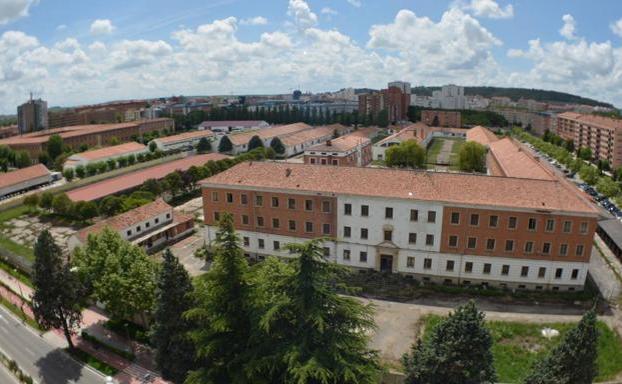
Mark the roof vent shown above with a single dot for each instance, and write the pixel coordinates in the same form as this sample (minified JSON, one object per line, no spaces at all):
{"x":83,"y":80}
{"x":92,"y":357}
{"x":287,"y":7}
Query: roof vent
{"x":329,"y":143}
{"x":288,"y":172}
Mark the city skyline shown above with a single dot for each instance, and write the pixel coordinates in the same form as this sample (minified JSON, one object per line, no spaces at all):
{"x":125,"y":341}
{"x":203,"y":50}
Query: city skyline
{"x":88,"y":53}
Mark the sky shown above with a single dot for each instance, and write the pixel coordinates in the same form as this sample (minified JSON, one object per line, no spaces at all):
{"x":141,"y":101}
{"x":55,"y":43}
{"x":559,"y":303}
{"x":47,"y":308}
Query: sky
{"x":75,"y":52}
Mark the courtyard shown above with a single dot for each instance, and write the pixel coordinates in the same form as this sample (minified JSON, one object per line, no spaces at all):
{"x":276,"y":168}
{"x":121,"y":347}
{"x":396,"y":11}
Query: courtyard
{"x":442,"y":152}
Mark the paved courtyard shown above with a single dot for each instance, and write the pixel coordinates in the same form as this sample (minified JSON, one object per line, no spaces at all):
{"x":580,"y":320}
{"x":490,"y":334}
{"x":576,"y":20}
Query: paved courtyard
{"x":25,"y":229}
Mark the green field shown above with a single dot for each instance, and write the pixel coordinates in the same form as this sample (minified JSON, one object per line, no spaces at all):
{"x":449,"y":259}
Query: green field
{"x":435,"y":146}
{"x":517,"y":346}
{"x":9,"y":244}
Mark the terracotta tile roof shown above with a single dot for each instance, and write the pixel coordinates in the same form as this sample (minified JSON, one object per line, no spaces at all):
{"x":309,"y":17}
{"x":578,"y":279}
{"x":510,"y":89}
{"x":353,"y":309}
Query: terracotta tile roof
{"x":134,"y":179}
{"x":308,"y":135}
{"x":455,"y":188}
{"x":184,"y":137}
{"x":106,"y":152}
{"x":280,"y":130}
{"x":481,"y":135}
{"x":231,"y":123}
{"x":408,"y":133}
{"x":599,"y":121}
{"x":127,"y":219}
{"x":65,"y":132}
{"x":344,"y":143}
{"x":20,"y":175}
{"x":514,"y":162}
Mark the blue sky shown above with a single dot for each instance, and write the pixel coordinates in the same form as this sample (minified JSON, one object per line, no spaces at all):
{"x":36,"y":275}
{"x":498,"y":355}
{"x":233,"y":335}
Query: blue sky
{"x":76,"y":52}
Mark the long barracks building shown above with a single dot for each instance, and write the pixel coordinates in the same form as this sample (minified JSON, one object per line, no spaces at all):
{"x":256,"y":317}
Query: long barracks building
{"x":442,"y":227}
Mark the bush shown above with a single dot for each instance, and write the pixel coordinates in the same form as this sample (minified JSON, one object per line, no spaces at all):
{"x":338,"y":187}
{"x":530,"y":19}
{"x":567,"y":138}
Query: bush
{"x":68,"y":174}
{"x":80,"y":171}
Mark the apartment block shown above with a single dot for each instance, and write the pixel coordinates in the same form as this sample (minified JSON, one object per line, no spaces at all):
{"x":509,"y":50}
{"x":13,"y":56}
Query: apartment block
{"x":441,"y":227}
{"x":395,"y":100}
{"x":32,"y":116}
{"x":440,"y":118}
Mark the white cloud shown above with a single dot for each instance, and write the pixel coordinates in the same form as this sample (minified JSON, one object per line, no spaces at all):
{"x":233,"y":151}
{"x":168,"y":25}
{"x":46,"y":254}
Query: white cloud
{"x":355,"y":3}
{"x":257,"y":20}
{"x":301,"y":12}
{"x":569,"y":28}
{"x":134,"y":53}
{"x":102,"y":27}
{"x":489,"y":8}
{"x":328,"y":11}
{"x":14,"y":9}
{"x":61,"y":27}
{"x":616,"y":27}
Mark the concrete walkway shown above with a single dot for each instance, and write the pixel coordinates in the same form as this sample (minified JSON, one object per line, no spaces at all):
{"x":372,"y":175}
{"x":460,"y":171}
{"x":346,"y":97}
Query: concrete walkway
{"x":444,"y":154}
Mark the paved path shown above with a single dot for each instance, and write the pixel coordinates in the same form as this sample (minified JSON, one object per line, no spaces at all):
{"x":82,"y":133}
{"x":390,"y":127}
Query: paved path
{"x":6,"y":376}
{"x":184,"y":251}
{"x":444,"y":154}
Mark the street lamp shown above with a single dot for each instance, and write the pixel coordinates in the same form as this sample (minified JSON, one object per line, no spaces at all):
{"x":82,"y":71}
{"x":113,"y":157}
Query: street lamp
{"x":109,"y":380}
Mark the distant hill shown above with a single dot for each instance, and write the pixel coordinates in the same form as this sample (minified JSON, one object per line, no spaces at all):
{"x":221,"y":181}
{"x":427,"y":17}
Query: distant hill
{"x":517,"y":93}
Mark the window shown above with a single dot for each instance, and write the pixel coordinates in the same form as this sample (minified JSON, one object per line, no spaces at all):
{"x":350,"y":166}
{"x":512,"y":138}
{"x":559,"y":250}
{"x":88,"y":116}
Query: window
{"x":414,"y":215}
{"x":147,"y":225}
{"x":512,"y":221}
{"x":493,"y":221}
{"x":509,"y":245}
{"x":347,"y":209}
{"x":412,"y":238}
{"x":550,"y":225}
{"x":129,"y":232}
{"x":579,"y":250}
{"x":388,"y":235}
{"x":326,"y":252}
{"x":363,"y":257}
{"x":487,"y":268}
{"x":388,"y":213}
{"x":567,"y":226}
{"x":326,"y":206}
{"x":291,"y":203}
{"x":490,"y":244}
{"x":575,"y":274}
{"x":276,"y":245}
{"x":583,"y":228}
{"x":364,"y":210}
{"x":346,"y":254}
{"x":427,"y":263}
{"x":138,"y":229}
{"x":558,"y":273}
{"x":347,"y":231}
{"x":335,"y":162}
{"x":214,"y":196}
{"x":216,"y":216}
{"x":308,"y":226}
{"x":505,"y":270}
{"x":429,"y":239}
{"x":541,"y":272}
{"x":168,"y":215}
{"x":259,"y":221}
{"x":431,"y":216}
{"x":474,"y":219}
{"x":275,"y":223}
{"x":261,"y":243}
{"x":563,"y":249}
{"x":410,"y":262}
{"x":528,"y":246}
{"x":326,"y":229}
{"x":455,"y":217}
{"x":453,"y":241}
{"x":364,"y":233}
{"x":229,"y":197}
{"x":468,"y":267}
{"x":157,"y":220}
{"x":312,"y":160}
{"x":243,"y":199}
{"x":471,"y":242}
{"x":450,"y":265}
{"x":292,"y":225}
{"x":546,"y":248}
{"x":259,"y":200}
{"x":524,"y":271}
{"x":246,"y":240}
{"x":275,"y":202}
{"x":531,"y":224}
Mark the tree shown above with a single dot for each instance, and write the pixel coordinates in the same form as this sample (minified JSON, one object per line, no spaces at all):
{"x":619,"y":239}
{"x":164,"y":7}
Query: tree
{"x":203,"y":145}
{"x":588,"y":174}
{"x":153,"y":146}
{"x":111,"y":164}
{"x":57,"y":297}
{"x":174,"y":182}
{"x":222,"y":314}
{"x":407,"y":154}
{"x":585,"y":153}
{"x":174,"y":350}
{"x":68,"y":174}
{"x":92,"y":169}
{"x":383,"y":118}
{"x":607,"y":187}
{"x":569,"y":145}
{"x":85,"y":210}
{"x":153,"y":186}
{"x":120,"y":274}
{"x":80,"y":171}
{"x":31,"y":201}
{"x":22,"y":159}
{"x":62,"y":205}
{"x":47,"y":198}
{"x":458,"y":351}
{"x":225,"y":145}
{"x":111,"y":205}
{"x":573,"y":360}
{"x":472,"y":157}
{"x":55,"y":146}
{"x":255,"y":142}
{"x":277,"y":145}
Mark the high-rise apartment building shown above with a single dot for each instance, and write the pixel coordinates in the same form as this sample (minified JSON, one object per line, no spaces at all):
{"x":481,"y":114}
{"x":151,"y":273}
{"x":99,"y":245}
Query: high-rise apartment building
{"x":395,"y":100}
{"x":32,"y":116}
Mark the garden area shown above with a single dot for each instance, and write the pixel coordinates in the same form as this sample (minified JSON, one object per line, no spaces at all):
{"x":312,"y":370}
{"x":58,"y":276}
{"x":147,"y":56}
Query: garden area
{"x":443,"y":151}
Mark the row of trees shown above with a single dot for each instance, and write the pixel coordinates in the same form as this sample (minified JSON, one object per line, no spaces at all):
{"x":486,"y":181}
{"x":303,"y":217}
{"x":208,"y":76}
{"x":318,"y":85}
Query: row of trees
{"x":92,"y":169}
{"x":63,"y":206}
{"x":409,"y":154}
{"x":11,"y":158}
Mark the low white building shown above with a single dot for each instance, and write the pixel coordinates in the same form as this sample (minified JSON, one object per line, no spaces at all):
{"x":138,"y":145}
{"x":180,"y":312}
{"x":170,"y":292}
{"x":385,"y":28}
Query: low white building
{"x":104,"y":154}
{"x":186,"y":140}
{"x":24,"y":179}
{"x":229,"y":126}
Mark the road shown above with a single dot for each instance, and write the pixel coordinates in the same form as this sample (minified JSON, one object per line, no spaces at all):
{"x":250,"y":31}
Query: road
{"x":6,"y":377}
{"x":45,"y":363}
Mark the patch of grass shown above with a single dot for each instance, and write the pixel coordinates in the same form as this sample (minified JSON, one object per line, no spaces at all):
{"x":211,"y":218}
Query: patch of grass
{"x":21,"y":315}
{"x":13,"y":213}
{"x":433,"y":150}
{"x":15,"y":272}
{"x":517,"y":346}
{"x":92,"y":361}
{"x":453,"y":158}
{"x":18,"y":249}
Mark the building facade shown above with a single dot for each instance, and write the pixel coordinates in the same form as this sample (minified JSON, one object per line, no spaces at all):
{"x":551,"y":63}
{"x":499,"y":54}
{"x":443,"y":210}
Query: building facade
{"x":395,"y":100}
{"x":436,"y":118}
{"x":353,"y":150}
{"x":437,"y":227}
{"x":32,"y":116}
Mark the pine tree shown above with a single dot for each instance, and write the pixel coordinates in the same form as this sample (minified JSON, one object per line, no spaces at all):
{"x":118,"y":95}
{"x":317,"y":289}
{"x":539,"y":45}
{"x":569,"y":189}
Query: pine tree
{"x":255,"y":142}
{"x":225,"y":145}
{"x":57,"y":294}
{"x":204,"y":145}
{"x":174,"y":350}
{"x":309,"y":333}
{"x":277,"y":145}
{"x":573,"y":361}
{"x":222,"y":314}
{"x":457,"y":351}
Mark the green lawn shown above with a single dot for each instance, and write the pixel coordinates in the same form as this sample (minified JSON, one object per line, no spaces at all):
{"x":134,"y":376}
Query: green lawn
{"x":16,"y":248}
{"x":92,"y":361}
{"x":453,"y":159}
{"x":517,"y":346}
{"x":13,"y":213}
{"x":433,"y":150}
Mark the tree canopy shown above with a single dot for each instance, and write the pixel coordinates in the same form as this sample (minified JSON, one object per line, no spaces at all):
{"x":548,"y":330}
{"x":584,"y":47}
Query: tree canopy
{"x":225,"y":145}
{"x":277,"y":145}
{"x":55,"y":146}
{"x":255,"y":142}
{"x":472,"y":157}
{"x":204,"y":145}
{"x":408,"y":154}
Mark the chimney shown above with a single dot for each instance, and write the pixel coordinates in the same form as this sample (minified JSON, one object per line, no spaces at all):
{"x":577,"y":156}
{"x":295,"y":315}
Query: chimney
{"x":288,"y":172}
